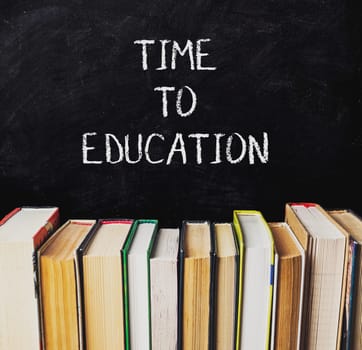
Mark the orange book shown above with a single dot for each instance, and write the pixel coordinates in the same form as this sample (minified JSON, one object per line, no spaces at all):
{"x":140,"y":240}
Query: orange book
{"x":288,"y":287}
{"x":60,"y":286}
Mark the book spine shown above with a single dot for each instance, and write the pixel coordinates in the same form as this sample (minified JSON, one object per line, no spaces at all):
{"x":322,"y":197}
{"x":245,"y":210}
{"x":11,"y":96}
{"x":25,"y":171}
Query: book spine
{"x":38,"y":239}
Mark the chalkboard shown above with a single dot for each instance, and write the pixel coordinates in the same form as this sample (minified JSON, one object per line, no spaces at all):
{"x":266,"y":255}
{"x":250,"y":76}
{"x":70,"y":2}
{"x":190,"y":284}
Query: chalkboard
{"x":263,"y":107}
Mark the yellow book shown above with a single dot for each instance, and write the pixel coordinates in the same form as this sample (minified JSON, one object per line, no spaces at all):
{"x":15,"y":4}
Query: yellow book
{"x":227,"y":280}
{"x":256,"y":279}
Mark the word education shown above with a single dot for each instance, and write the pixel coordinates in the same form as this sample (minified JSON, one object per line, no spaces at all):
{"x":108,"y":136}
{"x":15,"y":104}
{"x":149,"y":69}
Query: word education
{"x":155,"y":148}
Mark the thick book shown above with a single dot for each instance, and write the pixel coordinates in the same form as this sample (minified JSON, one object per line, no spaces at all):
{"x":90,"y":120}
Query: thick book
{"x":102,"y":284}
{"x":197,"y":258}
{"x":22,"y":232}
{"x":326,"y":249}
{"x":258,"y":279}
{"x":288,"y":291}
{"x":60,"y":286}
{"x":164,"y":282}
{"x":353,"y":301}
{"x":227,"y":278}
{"x":136,"y":274}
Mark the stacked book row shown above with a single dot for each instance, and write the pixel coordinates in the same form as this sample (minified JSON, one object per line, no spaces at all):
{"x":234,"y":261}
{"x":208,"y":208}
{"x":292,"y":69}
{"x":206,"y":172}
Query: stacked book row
{"x":129,"y":284}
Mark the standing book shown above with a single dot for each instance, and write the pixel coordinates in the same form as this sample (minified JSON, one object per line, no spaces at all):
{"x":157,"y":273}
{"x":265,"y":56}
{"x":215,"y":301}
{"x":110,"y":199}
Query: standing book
{"x":22,"y":232}
{"x":353,"y":303}
{"x":258,"y":279}
{"x":102,"y":284}
{"x":288,"y":291}
{"x":136,"y":273}
{"x":197,"y":286}
{"x":164,"y":282}
{"x":325,"y":243}
{"x":60,"y":294}
{"x":227,"y":277}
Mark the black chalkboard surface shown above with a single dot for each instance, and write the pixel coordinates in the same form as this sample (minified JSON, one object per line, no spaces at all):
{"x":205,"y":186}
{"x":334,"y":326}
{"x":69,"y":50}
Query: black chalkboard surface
{"x":263,"y":107}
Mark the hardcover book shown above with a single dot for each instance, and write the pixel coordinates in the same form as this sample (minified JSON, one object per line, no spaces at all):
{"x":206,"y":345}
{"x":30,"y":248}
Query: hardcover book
{"x":258,"y":279}
{"x":136,"y":254}
{"x":22,"y":233}
{"x":102,"y":284}
{"x":325,"y":244}
{"x":164,"y":283}
{"x":353,"y":302}
{"x":197,"y":286}
{"x":288,"y":291}
{"x":227,"y":278}
{"x":60,"y":294}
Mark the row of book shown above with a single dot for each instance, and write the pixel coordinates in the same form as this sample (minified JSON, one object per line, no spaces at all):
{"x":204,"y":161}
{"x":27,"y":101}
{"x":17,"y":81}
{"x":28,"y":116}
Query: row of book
{"x":128,"y":284}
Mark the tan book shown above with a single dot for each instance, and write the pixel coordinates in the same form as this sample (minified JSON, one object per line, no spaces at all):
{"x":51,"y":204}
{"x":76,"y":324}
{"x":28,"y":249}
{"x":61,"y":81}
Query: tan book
{"x":164,"y":279}
{"x":103,"y":285}
{"x":353,"y":303}
{"x":22,"y":232}
{"x":197,"y":273}
{"x":226,"y":285}
{"x":326,"y":249}
{"x":288,"y":287}
{"x":60,"y":286}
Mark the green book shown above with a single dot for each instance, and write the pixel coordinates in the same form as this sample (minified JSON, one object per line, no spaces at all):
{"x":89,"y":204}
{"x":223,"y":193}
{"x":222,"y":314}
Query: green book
{"x":136,"y":273}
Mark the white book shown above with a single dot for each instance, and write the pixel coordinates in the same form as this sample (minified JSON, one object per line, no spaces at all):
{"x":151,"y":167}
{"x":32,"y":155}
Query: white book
{"x":139,"y":285}
{"x":164,"y":277}
{"x":257,"y":284}
{"x":21,"y":233}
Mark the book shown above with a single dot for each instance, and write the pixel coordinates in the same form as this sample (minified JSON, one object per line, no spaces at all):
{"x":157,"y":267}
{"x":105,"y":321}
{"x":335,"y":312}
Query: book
{"x":61,"y":313}
{"x":136,"y":271}
{"x":197,"y":258}
{"x":325,"y":244}
{"x":226,"y":285}
{"x":274,"y":298}
{"x":22,"y":232}
{"x":164,"y":283}
{"x":352,"y":223}
{"x":288,"y":291}
{"x":240,"y":244}
{"x":102,"y":284}
{"x":258,"y":279}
